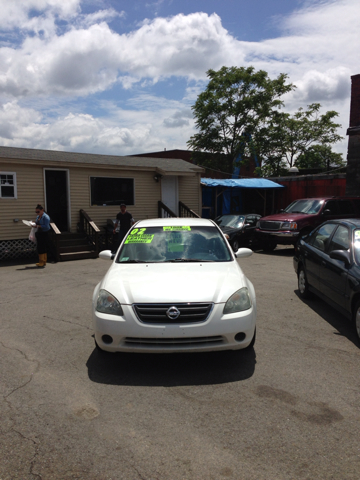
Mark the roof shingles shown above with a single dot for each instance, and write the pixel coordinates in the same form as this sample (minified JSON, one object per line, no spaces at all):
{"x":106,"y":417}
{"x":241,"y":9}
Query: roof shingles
{"x":167,"y":165}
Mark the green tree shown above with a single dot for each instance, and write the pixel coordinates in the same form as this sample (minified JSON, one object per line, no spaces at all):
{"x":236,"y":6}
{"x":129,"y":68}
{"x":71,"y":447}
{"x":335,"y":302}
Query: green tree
{"x":320,"y":156}
{"x":237,"y":102}
{"x":306,"y":134}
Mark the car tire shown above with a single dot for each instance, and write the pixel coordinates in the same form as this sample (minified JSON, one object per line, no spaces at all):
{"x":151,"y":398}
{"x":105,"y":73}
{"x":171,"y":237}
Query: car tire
{"x":269,"y":247}
{"x":357,"y":319}
{"x":303,"y":284}
{"x":235,"y":245}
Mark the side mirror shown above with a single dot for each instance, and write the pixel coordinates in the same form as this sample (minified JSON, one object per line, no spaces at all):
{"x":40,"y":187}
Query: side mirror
{"x":243,"y":252}
{"x":342,"y":255}
{"x":106,"y":255}
{"x":327,"y":212}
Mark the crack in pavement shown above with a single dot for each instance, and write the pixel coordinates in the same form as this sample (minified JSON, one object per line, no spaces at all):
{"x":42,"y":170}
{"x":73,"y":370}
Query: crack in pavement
{"x":28,"y":360}
{"x":67,"y":321}
{"x":14,"y":409}
{"x":36,"y":447}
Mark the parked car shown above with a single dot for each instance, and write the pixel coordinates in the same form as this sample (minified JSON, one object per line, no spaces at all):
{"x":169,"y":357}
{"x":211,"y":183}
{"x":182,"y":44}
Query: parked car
{"x":302,"y":216}
{"x":240,"y":229}
{"x":174,"y":286}
{"x":327,"y":263}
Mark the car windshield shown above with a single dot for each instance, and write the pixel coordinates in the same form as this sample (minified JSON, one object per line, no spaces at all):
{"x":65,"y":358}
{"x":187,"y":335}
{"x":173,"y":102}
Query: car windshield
{"x":233,"y":221}
{"x":357,"y":246}
{"x":174,"y":244}
{"x":308,"y":206}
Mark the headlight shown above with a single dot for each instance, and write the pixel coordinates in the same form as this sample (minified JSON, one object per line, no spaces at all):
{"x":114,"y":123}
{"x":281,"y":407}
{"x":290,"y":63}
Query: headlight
{"x":238,"y":302}
{"x":258,"y":224}
{"x":289,"y":226}
{"x":107,"y":303}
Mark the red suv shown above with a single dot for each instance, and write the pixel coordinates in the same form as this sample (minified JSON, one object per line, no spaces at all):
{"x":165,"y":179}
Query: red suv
{"x":302,"y":216}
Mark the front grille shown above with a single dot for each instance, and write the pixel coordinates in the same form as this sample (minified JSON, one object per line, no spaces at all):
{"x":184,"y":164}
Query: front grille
{"x":265,"y":225}
{"x":173,"y":342}
{"x":189,"y":312}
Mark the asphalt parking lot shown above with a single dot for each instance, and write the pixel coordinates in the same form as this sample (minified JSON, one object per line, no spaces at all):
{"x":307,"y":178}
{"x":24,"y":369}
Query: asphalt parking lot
{"x":288,"y":409}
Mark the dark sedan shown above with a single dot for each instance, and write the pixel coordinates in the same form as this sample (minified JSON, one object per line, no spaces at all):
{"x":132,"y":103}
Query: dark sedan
{"x":240,"y":229}
{"x":327,"y":263}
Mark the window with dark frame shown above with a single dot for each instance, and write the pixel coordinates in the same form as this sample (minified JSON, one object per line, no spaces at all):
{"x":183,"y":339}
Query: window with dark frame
{"x":7,"y":185}
{"x":107,"y":191}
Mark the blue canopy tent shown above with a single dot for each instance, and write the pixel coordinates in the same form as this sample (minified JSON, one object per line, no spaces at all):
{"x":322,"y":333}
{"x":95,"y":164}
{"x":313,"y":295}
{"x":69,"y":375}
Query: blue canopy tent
{"x":226,"y":188}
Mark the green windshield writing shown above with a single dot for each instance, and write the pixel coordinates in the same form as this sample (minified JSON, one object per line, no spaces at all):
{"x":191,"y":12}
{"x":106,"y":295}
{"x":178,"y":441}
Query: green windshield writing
{"x":139,"y":239}
{"x":177,"y":229}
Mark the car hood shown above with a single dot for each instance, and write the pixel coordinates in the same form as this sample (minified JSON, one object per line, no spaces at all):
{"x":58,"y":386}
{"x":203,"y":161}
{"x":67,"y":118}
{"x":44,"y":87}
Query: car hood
{"x":174,"y":283}
{"x":285,"y":217}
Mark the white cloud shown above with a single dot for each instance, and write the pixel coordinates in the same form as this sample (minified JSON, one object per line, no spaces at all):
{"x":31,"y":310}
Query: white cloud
{"x":178,"y":119}
{"x":123,"y":132}
{"x":17,"y":13}
{"x":101,"y":16}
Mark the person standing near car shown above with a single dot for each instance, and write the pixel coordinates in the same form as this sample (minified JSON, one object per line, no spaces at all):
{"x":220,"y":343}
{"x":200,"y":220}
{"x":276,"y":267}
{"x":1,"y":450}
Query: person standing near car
{"x":42,"y":232}
{"x":125,"y":220}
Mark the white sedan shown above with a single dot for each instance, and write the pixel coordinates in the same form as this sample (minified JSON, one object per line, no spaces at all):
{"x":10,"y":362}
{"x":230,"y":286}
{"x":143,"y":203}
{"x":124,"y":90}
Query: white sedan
{"x":174,"y":285}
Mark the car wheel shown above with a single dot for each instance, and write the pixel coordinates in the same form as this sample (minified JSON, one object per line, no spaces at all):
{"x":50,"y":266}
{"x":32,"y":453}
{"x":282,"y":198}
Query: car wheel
{"x":235,"y":245}
{"x":357,"y":319}
{"x":303,"y":284}
{"x":269,"y":247}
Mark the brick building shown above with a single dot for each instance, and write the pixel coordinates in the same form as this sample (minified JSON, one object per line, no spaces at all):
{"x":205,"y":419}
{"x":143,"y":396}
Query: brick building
{"x":353,"y":157}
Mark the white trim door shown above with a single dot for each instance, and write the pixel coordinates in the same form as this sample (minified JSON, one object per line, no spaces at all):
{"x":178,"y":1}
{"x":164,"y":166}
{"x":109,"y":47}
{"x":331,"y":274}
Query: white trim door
{"x":169,"y":193}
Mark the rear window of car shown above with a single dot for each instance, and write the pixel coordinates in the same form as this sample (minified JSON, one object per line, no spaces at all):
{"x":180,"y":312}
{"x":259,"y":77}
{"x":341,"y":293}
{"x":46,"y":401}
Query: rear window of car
{"x":174,"y":244}
{"x":234,"y":221}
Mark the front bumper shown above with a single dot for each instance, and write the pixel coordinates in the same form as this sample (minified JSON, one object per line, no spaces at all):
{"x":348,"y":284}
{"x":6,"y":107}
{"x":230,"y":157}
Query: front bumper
{"x":283,"y":237}
{"x":218,"y":332}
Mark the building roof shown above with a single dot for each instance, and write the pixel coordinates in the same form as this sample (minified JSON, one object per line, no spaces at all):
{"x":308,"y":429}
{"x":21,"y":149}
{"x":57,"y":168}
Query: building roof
{"x":162,"y":165}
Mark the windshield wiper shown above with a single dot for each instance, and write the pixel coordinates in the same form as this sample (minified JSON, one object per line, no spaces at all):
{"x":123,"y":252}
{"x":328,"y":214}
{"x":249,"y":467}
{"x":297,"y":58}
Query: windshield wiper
{"x":132,"y":261}
{"x":178,"y":260}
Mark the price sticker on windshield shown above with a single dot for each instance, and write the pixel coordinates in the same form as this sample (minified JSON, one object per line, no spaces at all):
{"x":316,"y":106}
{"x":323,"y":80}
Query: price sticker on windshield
{"x":180,"y":228}
{"x":137,"y":235}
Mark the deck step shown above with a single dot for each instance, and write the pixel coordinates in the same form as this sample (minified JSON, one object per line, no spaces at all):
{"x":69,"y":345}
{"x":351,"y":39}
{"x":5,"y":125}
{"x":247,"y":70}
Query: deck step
{"x":75,"y":248}
{"x":64,"y":242}
{"x":78,"y":255}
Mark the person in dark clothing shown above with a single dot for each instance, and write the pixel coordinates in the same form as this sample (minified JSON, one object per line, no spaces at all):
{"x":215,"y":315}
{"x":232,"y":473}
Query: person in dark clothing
{"x":42,"y":232}
{"x":125,"y":220}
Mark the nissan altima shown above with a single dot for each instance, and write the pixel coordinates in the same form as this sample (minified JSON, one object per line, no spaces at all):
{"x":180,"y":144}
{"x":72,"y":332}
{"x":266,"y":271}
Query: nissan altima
{"x":174,"y":285}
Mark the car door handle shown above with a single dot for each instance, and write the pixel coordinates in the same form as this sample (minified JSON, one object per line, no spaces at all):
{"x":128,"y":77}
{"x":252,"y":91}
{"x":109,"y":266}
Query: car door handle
{"x":323,"y":263}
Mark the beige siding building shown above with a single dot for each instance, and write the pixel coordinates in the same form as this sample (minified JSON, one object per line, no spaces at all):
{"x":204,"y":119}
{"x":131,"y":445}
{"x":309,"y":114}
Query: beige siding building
{"x":64,"y":183}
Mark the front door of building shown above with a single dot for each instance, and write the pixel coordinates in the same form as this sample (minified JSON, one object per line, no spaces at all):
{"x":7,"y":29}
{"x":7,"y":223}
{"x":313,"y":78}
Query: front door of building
{"x":56,"y":198}
{"x":169,"y":192}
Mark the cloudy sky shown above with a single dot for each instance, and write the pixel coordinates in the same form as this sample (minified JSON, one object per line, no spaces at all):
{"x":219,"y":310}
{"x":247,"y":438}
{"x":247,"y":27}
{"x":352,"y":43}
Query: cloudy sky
{"x":120,"y":76}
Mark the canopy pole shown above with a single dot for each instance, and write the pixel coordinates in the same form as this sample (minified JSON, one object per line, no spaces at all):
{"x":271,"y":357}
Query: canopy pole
{"x":216,"y":199}
{"x":265,"y":203}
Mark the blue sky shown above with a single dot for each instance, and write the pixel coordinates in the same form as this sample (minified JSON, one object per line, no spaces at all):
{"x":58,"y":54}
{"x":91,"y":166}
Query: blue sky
{"x":119,"y":77}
